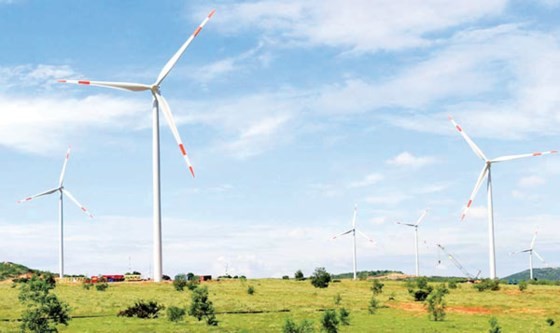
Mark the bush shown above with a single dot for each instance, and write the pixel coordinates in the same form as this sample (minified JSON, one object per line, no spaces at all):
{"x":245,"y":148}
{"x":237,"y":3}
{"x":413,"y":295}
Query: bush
{"x":166,"y":277}
{"x":290,"y":326}
{"x":373,"y":305}
{"x":142,"y":309}
{"x":43,"y":310}
{"x":452,"y":284}
{"x":423,"y":290}
{"x":87,"y":284}
{"x":175,"y":314}
{"x":487,"y":284}
{"x":285,"y":277}
{"x":337,"y":299}
{"x":250,"y":290}
{"x":436,"y":303}
{"x":299,"y":275}
{"x":344,"y":316}
{"x":377,"y":287}
{"x":329,"y":322}
{"x":193,"y":283}
{"x":494,"y":326}
{"x":522,"y":285}
{"x":550,"y":321}
{"x":101,"y":286}
{"x":320,"y":278}
{"x":202,"y":307}
{"x":180,"y":282}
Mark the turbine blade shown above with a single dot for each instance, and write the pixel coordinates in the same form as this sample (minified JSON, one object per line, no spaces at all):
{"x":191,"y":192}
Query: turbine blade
{"x":115,"y":85}
{"x":475,"y":190}
{"x":71,"y":197}
{"x":342,"y":234}
{"x":407,"y":224}
{"x":38,"y":195}
{"x":354,"y":217}
{"x":421,"y":217}
{"x":540,"y":258}
{"x":471,"y":143}
{"x":365,"y":236}
{"x":171,"y":122}
{"x":171,"y":62}
{"x":61,"y":179}
{"x":516,"y":157}
{"x":533,"y":241}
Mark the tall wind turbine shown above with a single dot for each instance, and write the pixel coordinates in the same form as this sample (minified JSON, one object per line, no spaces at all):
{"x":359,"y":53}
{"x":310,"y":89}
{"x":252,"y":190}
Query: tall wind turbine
{"x":531,"y":251}
{"x":61,"y":190}
{"x":415,"y":226}
{"x":158,"y":103}
{"x":486,"y":171}
{"x":353,"y":231}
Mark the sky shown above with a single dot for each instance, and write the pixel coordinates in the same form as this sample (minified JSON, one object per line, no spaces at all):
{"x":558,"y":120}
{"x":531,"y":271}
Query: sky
{"x":292,"y":112}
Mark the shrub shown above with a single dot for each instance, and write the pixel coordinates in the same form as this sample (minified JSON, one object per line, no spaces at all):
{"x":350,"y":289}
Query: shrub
{"x":43,"y":310}
{"x":344,"y":316}
{"x":202,"y":307}
{"x":180,"y":282}
{"x":166,"y":277}
{"x":320,"y":278}
{"x":285,"y":277}
{"x":101,"y":286}
{"x":550,"y":321}
{"x":193,"y":283}
{"x":299,"y":275}
{"x":329,"y":322}
{"x":377,"y":287}
{"x":87,"y":284}
{"x":190,"y":276}
{"x":522,"y":285}
{"x":142,"y":309}
{"x":373,"y":305}
{"x":175,"y":313}
{"x":337,"y":299}
{"x":290,"y":326}
{"x":392,"y":296}
{"x":423,"y":290}
{"x":436,"y":303}
{"x":487,"y":284}
{"x":494,"y":326}
{"x":250,"y":290}
{"x":452,"y":284}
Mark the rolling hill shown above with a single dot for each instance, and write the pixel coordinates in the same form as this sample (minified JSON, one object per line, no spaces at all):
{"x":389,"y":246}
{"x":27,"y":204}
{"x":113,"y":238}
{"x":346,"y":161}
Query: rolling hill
{"x":10,"y":270}
{"x":547,"y":273}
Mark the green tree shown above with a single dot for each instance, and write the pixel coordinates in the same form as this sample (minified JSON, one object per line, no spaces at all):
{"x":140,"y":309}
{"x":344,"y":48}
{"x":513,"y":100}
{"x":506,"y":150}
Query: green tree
{"x":373,"y":305}
{"x":436,"y":302}
{"x":522,"y":285}
{"x":320,"y":278}
{"x":43,"y":310}
{"x":344,"y":316}
{"x":175,"y":313}
{"x":202,"y":307}
{"x":329,"y":322}
{"x":180,"y":282}
{"x":377,"y":287}
{"x":290,"y":326}
{"x":494,"y":326}
{"x":299,"y":275}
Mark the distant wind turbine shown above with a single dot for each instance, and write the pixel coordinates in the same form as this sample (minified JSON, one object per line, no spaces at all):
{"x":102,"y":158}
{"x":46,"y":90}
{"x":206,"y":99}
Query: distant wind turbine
{"x":415,"y":226}
{"x":531,"y":251}
{"x":158,"y":103}
{"x":62,"y":190}
{"x":486,"y":170}
{"x":353,"y":231}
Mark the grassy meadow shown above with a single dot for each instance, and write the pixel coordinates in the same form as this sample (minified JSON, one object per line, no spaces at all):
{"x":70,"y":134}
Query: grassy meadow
{"x":275,"y":300}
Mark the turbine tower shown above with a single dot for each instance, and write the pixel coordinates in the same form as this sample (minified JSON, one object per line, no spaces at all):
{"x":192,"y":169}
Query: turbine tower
{"x":61,"y":190}
{"x":353,"y":231}
{"x":158,"y":104}
{"x":531,"y":251}
{"x":486,"y":171}
{"x":415,"y":226}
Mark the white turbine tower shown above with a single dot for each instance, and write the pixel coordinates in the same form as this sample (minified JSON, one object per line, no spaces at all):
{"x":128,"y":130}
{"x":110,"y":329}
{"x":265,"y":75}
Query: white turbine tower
{"x":159,"y":103}
{"x":531,"y":251}
{"x":415,"y":226}
{"x":61,"y":190}
{"x":353,"y":231}
{"x":486,"y":170}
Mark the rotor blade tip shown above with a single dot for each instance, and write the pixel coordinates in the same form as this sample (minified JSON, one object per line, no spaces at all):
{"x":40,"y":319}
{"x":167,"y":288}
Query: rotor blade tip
{"x":61,"y":81}
{"x":554,"y":151}
{"x":211,"y":13}
{"x":191,"y":169}
{"x":449,"y":117}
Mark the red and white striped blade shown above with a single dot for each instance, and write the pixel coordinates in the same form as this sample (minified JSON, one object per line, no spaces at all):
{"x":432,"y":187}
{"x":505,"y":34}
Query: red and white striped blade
{"x":540,"y":258}
{"x":82,"y":208}
{"x":471,"y":143}
{"x":365,"y":236}
{"x":533,"y":240}
{"x":164,"y":107}
{"x":38,"y":195}
{"x":61,"y":179}
{"x":171,"y":63}
{"x":115,"y":85}
{"x":421,"y":218}
{"x":342,"y":234}
{"x":515,"y":157}
{"x":475,"y":190}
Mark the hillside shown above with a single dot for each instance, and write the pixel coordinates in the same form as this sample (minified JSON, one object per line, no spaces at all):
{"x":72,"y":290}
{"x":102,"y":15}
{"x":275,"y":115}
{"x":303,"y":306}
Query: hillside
{"x":10,"y":270}
{"x":548,"y":273}
{"x":367,"y":273}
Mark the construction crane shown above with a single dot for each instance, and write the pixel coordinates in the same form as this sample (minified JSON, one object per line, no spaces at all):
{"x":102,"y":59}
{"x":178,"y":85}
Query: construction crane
{"x":458,"y":264}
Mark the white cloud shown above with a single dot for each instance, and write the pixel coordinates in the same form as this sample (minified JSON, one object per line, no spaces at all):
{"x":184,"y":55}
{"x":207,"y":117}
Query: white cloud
{"x":37,"y":76}
{"x":531,"y":181}
{"x":371,"y":179}
{"x":357,"y":25}
{"x":406,"y":159}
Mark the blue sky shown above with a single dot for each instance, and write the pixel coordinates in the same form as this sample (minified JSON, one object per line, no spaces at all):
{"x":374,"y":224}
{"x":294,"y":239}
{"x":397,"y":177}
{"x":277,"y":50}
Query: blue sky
{"x":292,"y":112}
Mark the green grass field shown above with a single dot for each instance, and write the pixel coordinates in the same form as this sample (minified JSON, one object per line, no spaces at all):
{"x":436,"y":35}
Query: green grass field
{"x":468,"y":310}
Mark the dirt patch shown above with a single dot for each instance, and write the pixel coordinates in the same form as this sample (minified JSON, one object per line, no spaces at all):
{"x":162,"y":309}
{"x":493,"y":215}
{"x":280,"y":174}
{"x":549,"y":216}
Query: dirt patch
{"x":411,"y":307}
{"x":469,"y":310}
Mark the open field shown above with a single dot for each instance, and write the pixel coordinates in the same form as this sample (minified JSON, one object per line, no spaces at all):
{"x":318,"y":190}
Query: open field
{"x":468,"y":309}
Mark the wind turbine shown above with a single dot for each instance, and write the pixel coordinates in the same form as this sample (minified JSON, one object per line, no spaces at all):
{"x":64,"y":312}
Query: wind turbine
{"x":158,"y":103}
{"x":353,"y":231}
{"x":415,"y":226}
{"x":61,"y":190}
{"x":486,"y":171}
{"x":531,"y":250}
